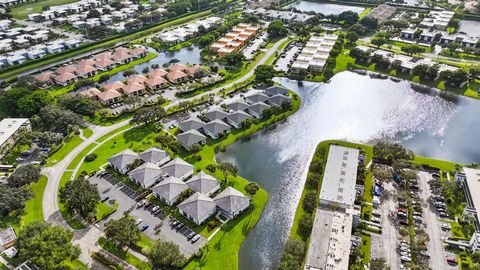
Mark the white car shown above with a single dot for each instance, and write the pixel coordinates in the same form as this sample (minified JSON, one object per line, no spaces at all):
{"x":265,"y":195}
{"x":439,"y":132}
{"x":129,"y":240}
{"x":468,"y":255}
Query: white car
{"x":446,"y":226}
{"x":375,"y":219}
{"x":376,"y":212}
{"x":406,"y":259}
{"x":138,"y":221}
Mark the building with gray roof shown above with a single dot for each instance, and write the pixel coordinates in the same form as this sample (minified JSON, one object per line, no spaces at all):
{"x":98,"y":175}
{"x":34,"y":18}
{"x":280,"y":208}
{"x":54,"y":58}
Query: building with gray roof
{"x":278,"y":100}
{"x":169,"y":190}
{"x":190,"y":138}
{"x":231,"y":202}
{"x":215,"y":127}
{"x":146,"y":174}
{"x":178,"y":168}
{"x":121,"y":160}
{"x":198,"y":208}
{"x":155,"y":155}
{"x":276,"y":90}
{"x":215,"y":114}
{"x":236,"y":119}
{"x":256,"y":110}
{"x":239,"y":105}
{"x":255,"y":98}
{"x":190,"y":124}
{"x":204,"y":183}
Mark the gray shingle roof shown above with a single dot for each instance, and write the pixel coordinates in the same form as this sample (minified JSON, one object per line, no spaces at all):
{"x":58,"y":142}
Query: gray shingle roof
{"x":146,"y":174}
{"x":231,"y":200}
{"x":154,"y":155}
{"x":238,"y":117}
{"x":215,"y":115}
{"x":190,"y":138}
{"x":202,"y":182}
{"x":198,"y":205}
{"x":276,"y":90}
{"x":216,"y":126}
{"x":192,"y":123}
{"x":177,"y":168}
{"x":123,"y":159}
{"x":170,"y":188}
{"x":258,"y":107}
{"x":238,"y":105}
{"x":278,"y":100}
{"x":257,"y":97}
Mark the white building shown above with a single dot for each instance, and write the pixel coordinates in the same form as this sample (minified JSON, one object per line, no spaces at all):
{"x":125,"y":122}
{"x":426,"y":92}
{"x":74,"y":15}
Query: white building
{"x":315,"y":53}
{"x":9,"y":128}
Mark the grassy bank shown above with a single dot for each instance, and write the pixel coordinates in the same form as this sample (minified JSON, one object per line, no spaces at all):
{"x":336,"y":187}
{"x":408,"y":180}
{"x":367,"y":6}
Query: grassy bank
{"x":22,"y":11}
{"x":67,"y":146}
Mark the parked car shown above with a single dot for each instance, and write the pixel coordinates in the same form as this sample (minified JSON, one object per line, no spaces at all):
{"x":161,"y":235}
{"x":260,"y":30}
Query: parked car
{"x":191,"y":235}
{"x":376,"y":212}
{"x":406,"y":259}
{"x":138,"y":221}
{"x":144,"y":228}
{"x":154,"y":209}
{"x":141,"y":203}
{"x":195,"y":238}
{"x":446,"y":226}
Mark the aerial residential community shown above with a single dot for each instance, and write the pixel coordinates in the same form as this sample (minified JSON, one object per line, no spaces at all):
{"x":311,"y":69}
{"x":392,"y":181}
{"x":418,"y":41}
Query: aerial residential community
{"x":228,"y":134}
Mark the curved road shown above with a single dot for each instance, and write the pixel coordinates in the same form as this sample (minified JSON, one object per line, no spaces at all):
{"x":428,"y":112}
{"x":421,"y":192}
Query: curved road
{"x":87,"y":238}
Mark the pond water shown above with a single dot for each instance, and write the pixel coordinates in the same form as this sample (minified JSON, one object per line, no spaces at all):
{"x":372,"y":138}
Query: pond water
{"x":186,"y":55}
{"x":351,"y":107}
{"x":324,"y":8}
{"x":471,"y":28}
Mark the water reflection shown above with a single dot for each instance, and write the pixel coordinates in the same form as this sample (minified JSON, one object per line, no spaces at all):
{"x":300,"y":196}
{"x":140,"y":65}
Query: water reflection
{"x":324,"y":8}
{"x":352,"y":107}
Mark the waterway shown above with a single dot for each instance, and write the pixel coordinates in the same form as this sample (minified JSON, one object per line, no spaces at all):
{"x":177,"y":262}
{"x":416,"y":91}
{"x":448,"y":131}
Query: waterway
{"x":186,"y":55}
{"x":471,"y":28}
{"x":355,"y":108}
{"x":324,"y":8}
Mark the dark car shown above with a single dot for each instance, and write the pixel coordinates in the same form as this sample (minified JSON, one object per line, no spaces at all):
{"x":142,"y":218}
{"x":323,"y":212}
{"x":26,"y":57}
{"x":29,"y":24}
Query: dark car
{"x":144,"y":228}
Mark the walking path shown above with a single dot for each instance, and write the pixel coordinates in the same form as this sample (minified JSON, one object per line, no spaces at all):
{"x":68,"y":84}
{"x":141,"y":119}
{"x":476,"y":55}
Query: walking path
{"x":87,"y":238}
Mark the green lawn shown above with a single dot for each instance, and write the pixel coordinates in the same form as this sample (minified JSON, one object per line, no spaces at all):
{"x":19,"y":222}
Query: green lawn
{"x":33,"y":210}
{"x":68,"y":145}
{"x":22,"y":11}
{"x":442,"y":165}
{"x":104,"y":210}
{"x":69,"y":88}
{"x":87,"y":133}
{"x":124,"y":255}
{"x":106,"y":136}
{"x":77,"y":159}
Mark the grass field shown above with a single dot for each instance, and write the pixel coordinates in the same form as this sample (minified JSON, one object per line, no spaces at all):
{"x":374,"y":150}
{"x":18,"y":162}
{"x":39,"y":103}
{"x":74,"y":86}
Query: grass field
{"x":104,"y":210}
{"x":22,"y":11}
{"x":67,"y":147}
{"x":124,"y":255}
{"x":87,"y":133}
{"x":442,"y":165}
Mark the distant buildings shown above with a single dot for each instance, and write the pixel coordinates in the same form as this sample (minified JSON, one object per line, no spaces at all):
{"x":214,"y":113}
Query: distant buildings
{"x":382,"y":13}
{"x":315,"y":53}
{"x":182,"y":33}
{"x":282,"y":15}
{"x":234,"y":40}
{"x":437,"y":19}
{"x":9,"y":129}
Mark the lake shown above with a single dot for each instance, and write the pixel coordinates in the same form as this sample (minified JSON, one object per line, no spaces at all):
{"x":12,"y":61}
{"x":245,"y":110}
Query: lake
{"x":324,"y":8}
{"x":354,"y":108}
{"x":186,"y":55}
{"x":472,"y":28}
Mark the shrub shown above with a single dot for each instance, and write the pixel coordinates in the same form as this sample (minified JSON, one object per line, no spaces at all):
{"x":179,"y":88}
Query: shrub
{"x":90,"y":157}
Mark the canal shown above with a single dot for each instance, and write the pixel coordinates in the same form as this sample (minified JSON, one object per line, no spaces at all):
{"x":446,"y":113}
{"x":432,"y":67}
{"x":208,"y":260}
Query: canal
{"x":324,"y":8}
{"x":351,"y":107}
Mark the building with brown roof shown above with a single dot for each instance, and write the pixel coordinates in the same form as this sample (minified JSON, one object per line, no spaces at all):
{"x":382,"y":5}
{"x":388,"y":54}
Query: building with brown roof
{"x":85,"y":71}
{"x":158,"y":73}
{"x":116,"y":85}
{"x":177,"y":76}
{"x":86,"y":62}
{"x":122,"y":55}
{"x":137,"y":79}
{"x":234,"y":40}
{"x":65,"y":79}
{"x":177,"y":67}
{"x":66,"y":69}
{"x":109,"y":96}
{"x":139,"y":52}
{"x":104,"y":64}
{"x":133,"y":89}
{"x":91,"y":93}
{"x":156,"y":83}
{"x":192,"y":70}
{"x":44,"y":77}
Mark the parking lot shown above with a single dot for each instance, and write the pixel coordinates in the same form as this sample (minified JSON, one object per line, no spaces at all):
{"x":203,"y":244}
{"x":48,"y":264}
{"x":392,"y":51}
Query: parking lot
{"x":159,"y":226}
{"x":250,"y":50}
{"x":283,"y":62}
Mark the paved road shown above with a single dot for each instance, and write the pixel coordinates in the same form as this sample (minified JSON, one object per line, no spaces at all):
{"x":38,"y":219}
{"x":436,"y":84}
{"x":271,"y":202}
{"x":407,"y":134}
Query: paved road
{"x":87,"y":238}
{"x":390,"y":234}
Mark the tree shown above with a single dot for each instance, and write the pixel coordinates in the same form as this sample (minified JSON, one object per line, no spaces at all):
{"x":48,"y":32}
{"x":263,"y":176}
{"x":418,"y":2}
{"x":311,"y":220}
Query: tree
{"x":227,"y":169}
{"x":251,"y":19}
{"x":165,"y":255}
{"x":80,"y":196}
{"x":378,"y":264}
{"x":56,"y":119}
{"x":378,"y":41}
{"x":32,"y":103}
{"x":264,"y":74}
{"x":452,"y":47}
{"x":293,"y":255}
{"x":305,"y":225}
{"x":8,"y":101}
{"x":28,"y":82}
{"x":24,"y":175}
{"x":474,"y":71}
{"x":196,"y":148}
{"x":84,"y":83}
{"x":251,"y":188}
{"x":13,"y":199}
{"x":276,"y":29}
{"x":99,"y":31}
{"x":129,"y":72}
{"x":46,"y":246}
{"x":234,"y":59}
{"x":103,"y":78}
{"x":80,"y":104}
{"x":93,"y":13}
{"x":348,"y":17}
{"x":455,"y":78}
{"x":309,"y":203}
{"x":351,"y":37}
{"x":369,"y":22}
{"x":122,"y":232}
{"x":412,"y":49}
{"x":148,"y":115}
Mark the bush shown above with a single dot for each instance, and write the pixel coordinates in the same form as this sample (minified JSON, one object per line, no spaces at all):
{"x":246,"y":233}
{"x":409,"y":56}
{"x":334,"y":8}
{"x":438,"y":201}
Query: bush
{"x":305,"y":226}
{"x":212,"y":224}
{"x":309,"y":202}
{"x":90,"y":157}
{"x":211,"y":168}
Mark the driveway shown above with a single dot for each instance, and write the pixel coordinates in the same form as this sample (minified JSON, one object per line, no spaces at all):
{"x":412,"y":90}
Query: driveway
{"x":390,"y":236}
